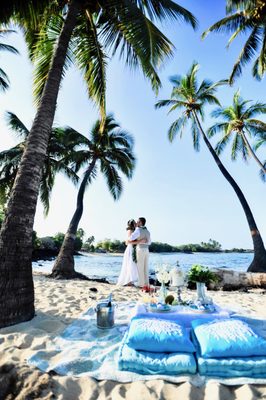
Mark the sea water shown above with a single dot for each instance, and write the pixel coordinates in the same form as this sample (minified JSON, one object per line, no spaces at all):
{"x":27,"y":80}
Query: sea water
{"x":108,"y":266}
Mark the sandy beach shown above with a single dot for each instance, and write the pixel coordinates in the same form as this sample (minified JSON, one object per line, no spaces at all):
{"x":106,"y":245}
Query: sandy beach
{"x":58,"y":304}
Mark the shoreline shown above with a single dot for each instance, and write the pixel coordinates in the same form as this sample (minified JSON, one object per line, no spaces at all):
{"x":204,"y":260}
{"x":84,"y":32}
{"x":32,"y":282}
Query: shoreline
{"x":48,"y":255}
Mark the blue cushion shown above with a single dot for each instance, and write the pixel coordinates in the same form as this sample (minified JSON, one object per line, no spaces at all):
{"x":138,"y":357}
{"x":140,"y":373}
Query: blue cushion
{"x":230,"y":367}
{"x":150,"y":363}
{"x":228,"y":338}
{"x":158,"y":335}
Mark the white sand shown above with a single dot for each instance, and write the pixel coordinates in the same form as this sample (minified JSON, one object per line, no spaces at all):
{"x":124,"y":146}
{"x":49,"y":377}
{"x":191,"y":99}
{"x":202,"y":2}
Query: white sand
{"x":58,"y":303}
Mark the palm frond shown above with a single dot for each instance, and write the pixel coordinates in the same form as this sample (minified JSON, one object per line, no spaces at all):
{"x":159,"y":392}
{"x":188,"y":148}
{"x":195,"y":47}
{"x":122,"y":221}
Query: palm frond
{"x":195,"y":135}
{"x":42,"y":54}
{"x":262,"y":173}
{"x":259,"y":66}
{"x":138,"y":40}
{"x":91,"y":60}
{"x":220,"y":146}
{"x":228,"y":24}
{"x":236,"y":147}
{"x":261,"y":140}
{"x":246,"y":54}
{"x":177,"y":127}
{"x":217,"y":128}
{"x":112,"y":178}
{"x":253,"y":110}
{"x":165,"y":103}
{"x":4,"y":81}
{"x":166,"y":10}
{"x":7,"y":47}
{"x":260,"y":125}
{"x":16,"y":125}
{"x":46,"y":185}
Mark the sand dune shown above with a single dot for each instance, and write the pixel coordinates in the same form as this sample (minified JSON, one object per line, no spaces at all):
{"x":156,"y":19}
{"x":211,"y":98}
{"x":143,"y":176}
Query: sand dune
{"x":58,"y":303}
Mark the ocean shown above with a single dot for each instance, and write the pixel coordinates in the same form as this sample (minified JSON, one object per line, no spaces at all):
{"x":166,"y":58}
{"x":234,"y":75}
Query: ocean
{"x":108,"y":266}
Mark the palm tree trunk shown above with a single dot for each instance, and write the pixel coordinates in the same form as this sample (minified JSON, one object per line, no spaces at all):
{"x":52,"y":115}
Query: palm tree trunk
{"x":16,"y":283}
{"x":64,"y":267}
{"x":259,"y":261}
{"x":252,"y":153}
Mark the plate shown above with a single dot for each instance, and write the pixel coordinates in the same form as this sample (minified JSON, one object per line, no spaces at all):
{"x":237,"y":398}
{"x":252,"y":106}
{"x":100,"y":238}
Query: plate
{"x":202,"y":311}
{"x":160,"y":310}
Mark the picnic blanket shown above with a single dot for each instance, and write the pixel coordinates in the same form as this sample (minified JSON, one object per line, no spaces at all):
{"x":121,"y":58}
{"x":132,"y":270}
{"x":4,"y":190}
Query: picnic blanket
{"x":84,"y":350}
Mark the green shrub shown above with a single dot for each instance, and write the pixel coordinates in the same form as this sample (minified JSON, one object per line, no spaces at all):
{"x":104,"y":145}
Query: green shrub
{"x":199,"y":273}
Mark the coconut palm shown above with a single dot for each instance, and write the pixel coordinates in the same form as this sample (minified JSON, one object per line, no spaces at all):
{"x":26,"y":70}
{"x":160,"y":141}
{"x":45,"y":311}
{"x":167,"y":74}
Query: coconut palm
{"x":110,"y":151}
{"x":63,"y":144}
{"x":240,"y":122}
{"x":4,"y":81}
{"x":191,"y":97}
{"x":118,"y":26}
{"x":245,"y":17}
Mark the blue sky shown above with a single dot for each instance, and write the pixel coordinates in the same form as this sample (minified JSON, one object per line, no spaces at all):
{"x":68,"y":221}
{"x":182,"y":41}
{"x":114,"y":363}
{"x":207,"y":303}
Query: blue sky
{"x":181,"y":193}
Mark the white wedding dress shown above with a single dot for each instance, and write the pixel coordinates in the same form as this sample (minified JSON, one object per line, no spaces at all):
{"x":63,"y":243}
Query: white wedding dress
{"x":129,"y":271}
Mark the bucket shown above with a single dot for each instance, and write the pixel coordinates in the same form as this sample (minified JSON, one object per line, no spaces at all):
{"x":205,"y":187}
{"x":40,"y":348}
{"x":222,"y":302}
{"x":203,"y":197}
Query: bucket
{"x":105,"y":315}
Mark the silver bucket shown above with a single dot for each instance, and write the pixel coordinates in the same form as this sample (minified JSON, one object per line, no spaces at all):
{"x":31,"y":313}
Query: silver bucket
{"x":105,"y":315}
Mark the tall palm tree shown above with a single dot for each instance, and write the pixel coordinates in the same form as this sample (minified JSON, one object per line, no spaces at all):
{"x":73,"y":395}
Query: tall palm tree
{"x":110,"y":150}
{"x":239,"y":120}
{"x":245,"y":17}
{"x":189,"y":96}
{"x":4,"y":81}
{"x":118,"y":25}
{"x":63,"y":144}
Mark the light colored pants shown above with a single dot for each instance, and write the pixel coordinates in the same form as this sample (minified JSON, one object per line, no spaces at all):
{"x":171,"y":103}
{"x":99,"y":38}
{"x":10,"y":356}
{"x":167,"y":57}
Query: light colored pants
{"x":143,"y":266}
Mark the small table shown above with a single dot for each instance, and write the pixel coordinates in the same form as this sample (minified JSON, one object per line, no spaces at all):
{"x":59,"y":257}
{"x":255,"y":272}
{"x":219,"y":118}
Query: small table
{"x":182,"y":314}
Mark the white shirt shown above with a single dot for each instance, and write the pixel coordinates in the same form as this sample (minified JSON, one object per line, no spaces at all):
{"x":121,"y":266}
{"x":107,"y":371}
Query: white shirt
{"x":136,"y":234}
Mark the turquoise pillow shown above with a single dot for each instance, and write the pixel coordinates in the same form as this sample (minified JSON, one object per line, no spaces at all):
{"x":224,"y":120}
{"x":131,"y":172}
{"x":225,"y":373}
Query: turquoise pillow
{"x":228,"y":338}
{"x":159,"y":336}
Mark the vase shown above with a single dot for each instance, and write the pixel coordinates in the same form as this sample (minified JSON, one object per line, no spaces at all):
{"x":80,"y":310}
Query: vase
{"x":162,"y":293}
{"x":201,"y":293}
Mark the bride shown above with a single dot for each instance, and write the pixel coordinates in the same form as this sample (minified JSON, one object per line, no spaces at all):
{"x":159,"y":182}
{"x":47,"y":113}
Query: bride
{"x":129,"y":272}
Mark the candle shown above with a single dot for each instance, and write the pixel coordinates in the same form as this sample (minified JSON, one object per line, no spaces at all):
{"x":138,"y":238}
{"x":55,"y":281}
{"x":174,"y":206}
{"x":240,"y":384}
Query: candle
{"x":177,"y":277}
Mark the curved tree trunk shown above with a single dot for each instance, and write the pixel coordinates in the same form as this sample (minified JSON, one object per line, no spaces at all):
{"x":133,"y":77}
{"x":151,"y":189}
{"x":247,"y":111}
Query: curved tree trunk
{"x":252,"y":153}
{"x":16,"y":283}
{"x":64,"y":267}
{"x":259,"y":261}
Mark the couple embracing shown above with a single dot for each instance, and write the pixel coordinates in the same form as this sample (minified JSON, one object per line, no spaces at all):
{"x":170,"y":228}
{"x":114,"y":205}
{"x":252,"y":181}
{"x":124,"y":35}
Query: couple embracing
{"x":135,"y":268}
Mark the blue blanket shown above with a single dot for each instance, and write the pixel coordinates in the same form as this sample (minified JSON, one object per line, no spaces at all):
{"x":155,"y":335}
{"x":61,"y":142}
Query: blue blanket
{"x":144,"y":362}
{"x":84,"y":350}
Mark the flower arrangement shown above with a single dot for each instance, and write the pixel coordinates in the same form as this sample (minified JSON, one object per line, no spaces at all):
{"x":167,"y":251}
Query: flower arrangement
{"x":163,"y":274}
{"x":134,"y":253}
{"x":199,"y":273}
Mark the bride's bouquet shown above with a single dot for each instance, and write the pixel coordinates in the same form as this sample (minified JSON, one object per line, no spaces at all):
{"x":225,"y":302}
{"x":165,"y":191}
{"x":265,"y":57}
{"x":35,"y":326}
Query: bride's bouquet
{"x":163,"y":273}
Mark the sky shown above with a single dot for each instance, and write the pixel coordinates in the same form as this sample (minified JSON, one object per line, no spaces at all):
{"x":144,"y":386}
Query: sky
{"x":182,"y":194}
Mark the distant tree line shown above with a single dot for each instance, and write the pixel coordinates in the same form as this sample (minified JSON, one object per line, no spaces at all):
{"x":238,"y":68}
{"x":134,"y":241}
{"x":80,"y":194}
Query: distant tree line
{"x":49,"y":246}
{"x":117,"y":246}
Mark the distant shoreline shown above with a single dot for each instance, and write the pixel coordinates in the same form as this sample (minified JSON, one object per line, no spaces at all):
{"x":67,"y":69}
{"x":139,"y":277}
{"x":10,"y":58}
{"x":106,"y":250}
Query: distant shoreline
{"x":165,"y":252}
{"x":51,"y":255}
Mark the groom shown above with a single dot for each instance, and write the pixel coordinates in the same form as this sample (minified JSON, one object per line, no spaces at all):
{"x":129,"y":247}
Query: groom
{"x":142,"y":234}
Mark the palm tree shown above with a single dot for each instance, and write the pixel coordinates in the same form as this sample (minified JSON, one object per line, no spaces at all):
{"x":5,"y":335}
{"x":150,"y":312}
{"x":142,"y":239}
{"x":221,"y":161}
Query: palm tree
{"x":4,"y":81}
{"x":189,"y":96}
{"x":112,"y":151}
{"x":63,"y":144}
{"x":239,"y":120}
{"x":245,"y":17}
{"x":117,"y":25}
